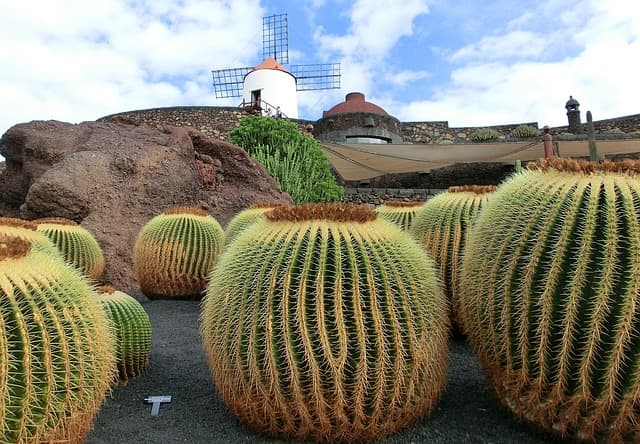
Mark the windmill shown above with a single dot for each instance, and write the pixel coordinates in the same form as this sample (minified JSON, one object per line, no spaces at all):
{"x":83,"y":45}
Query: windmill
{"x":269,"y":87}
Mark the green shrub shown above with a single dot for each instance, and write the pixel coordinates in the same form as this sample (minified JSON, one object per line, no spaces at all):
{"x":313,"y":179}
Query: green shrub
{"x":613,"y":132}
{"x":525,"y":132}
{"x":484,"y":135}
{"x":295,"y":161}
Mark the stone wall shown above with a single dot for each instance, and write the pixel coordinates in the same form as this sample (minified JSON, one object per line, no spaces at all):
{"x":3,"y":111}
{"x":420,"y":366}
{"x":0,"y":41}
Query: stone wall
{"x":627,"y":124}
{"x":377,"y":196}
{"x":440,"y":132}
{"x":337,"y":128}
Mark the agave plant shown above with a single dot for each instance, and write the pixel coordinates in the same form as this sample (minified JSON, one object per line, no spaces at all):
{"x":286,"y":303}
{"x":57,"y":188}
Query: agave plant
{"x":550,"y":285}
{"x":324,"y":322}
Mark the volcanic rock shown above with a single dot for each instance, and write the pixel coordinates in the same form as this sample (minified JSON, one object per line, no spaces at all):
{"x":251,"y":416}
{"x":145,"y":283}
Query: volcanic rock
{"x":112,"y":177}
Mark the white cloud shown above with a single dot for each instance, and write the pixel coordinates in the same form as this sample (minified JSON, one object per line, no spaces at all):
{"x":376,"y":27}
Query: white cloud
{"x":515,"y":44}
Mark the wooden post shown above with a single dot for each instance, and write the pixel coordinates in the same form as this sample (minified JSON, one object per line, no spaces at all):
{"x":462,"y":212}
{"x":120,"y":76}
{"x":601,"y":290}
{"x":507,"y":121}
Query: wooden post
{"x":547,"y":140}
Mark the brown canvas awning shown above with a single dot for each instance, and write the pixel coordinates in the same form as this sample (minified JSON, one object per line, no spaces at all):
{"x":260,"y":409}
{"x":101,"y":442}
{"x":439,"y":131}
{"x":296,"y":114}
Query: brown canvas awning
{"x":364,"y":161}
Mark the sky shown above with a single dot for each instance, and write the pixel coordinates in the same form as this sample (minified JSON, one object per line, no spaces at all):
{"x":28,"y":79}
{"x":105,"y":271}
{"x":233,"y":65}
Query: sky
{"x":468,"y":62}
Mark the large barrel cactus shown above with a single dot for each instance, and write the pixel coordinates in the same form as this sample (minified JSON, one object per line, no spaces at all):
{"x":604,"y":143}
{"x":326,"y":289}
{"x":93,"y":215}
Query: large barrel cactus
{"x":175,"y":251}
{"x":245,"y":219}
{"x":77,"y":244}
{"x":442,"y":225}
{"x":399,"y":212}
{"x":324,"y":322}
{"x":132,"y":330}
{"x":56,"y":351}
{"x":550,"y":292}
{"x":28,"y":231}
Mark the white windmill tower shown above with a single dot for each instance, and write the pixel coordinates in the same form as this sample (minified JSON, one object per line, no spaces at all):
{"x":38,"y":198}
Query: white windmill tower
{"x":269,"y":87}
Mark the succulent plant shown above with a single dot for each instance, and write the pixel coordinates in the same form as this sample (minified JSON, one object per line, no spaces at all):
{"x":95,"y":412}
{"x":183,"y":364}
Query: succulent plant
{"x":399,"y":212}
{"x":245,"y":219}
{"x":442,"y":228}
{"x":28,"y":231}
{"x":324,"y":322}
{"x":175,"y":251}
{"x":132,"y":329}
{"x":77,"y":244}
{"x":525,"y":132}
{"x":550,"y":285}
{"x":56,"y":351}
{"x":484,"y":135}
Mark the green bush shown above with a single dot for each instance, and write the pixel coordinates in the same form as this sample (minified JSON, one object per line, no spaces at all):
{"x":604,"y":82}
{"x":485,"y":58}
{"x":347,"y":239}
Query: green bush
{"x":294,"y":160}
{"x":525,"y":132}
{"x":484,"y":135}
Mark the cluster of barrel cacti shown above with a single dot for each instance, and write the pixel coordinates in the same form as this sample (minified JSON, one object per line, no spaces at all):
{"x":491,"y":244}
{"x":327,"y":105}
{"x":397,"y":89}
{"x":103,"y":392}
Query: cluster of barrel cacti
{"x":399,"y":212}
{"x":324,"y":322}
{"x":175,"y":251}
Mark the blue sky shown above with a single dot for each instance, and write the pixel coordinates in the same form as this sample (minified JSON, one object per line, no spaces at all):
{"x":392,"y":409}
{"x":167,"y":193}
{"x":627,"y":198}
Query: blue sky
{"x":471,"y":62}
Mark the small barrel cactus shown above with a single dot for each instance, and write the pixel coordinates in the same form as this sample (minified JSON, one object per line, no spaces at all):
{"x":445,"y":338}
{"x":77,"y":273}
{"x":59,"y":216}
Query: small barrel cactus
{"x":324,"y":322}
{"x":28,"y":231}
{"x":175,"y":251}
{"x":550,"y":285}
{"x":442,"y":227}
{"x":76,"y":243}
{"x":245,"y":219}
{"x":132,"y":329}
{"x":399,"y":212}
{"x":56,"y":351}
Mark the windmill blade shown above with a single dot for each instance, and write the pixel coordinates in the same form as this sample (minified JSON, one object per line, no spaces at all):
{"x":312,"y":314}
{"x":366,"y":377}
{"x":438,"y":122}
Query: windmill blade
{"x":275,"y":37}
{"x":228,"y":82}
{"x":318,"y":76}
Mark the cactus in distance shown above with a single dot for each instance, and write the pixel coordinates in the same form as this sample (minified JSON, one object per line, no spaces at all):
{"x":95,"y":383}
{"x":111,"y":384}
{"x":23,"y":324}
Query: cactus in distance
{"x":399,"y":212}
{"x":76,"y":243}
{"x":550,"y":284}
{"x":175,"y":251}
{"x":324,"y":322}
{"x":56,"y":353}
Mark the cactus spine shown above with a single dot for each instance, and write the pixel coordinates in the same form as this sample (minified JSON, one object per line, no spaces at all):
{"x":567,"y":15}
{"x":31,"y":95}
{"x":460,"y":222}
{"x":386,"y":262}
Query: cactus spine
{"x":399,"y":212}
{"x":28,"y":231}
{"x":175,"y":251}
{"x":245,"y":219}
{"x":77,"y":244}
{"x":56,"y":353}
{"x":323,"y":322}
{"x":132,"y":329}
{"x":442,"y":228}
{"x":550,"y":285}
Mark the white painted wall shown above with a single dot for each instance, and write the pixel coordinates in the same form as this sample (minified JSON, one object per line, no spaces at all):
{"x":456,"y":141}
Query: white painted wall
{"x":278,"y":89}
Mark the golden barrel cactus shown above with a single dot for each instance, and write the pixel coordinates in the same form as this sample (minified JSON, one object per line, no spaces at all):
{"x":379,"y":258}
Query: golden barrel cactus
{"x":399,"y":212}
{"x":76,"y":243}
{"x":324,"y":322}
{"x":245,"y":219}
{"x":175,"y":251}
{"x":28,"y":231}
{"x":442,"y":226}
{"x":550,"y":294}
{"x":56,"y":351}
{"x":132,"y":330}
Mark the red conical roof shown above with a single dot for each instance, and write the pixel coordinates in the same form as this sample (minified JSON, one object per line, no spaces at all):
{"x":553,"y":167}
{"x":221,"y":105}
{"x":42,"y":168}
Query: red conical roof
{"x":270,"y":63}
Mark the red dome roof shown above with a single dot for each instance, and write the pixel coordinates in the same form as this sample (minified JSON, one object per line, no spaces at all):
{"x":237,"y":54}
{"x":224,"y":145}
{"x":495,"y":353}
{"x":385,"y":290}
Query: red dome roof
{"x":354,"y":103}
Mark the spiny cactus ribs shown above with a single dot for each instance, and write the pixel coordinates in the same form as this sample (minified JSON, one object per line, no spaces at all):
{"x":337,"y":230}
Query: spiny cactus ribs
{"x":400,"y":213}
{"x":175,"y":251}
{"x":549,"y":295}
{"x":246,"y":218}
{"x":56,"y":353}
{"x":322,"y":322}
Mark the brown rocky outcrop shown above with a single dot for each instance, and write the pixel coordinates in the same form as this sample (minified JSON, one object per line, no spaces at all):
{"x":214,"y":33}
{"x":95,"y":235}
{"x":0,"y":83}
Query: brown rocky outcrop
{"x":112,"y":177}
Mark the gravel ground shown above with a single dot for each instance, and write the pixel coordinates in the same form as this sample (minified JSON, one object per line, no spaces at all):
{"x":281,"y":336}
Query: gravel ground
{"x":466,"y":413}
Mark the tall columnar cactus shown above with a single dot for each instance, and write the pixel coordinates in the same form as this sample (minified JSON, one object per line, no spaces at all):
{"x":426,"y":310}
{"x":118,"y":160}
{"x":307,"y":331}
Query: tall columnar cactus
{"x":77,"y":244}
{"x":56,"y":350}
{"x":245,"y":219}
{"x":324,"y":322}
{"x":175,"y":251}
{"x":400,"y":213}
{"x":132,"y":330}
{"x":550,"y":292}
{"x":28,"y":231}
{"x":442,"y":228}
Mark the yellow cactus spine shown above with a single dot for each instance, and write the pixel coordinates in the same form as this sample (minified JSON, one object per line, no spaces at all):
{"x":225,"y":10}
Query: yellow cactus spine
{"x":77,"y":244}
{"x":28,"y":231}
{"x":400,"y":213}
{"x":442,"y":227}
{"x":550,"y":285}
{"x":175,"y":251}
{"x":245,"y":219}
{"x":323,"y":322}
{"x":132,"y":329}
{"x":56,"y":352}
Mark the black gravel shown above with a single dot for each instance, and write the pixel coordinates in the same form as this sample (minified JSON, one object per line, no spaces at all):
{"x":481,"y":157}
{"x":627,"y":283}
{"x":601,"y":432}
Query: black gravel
{"x":467,"y":412}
